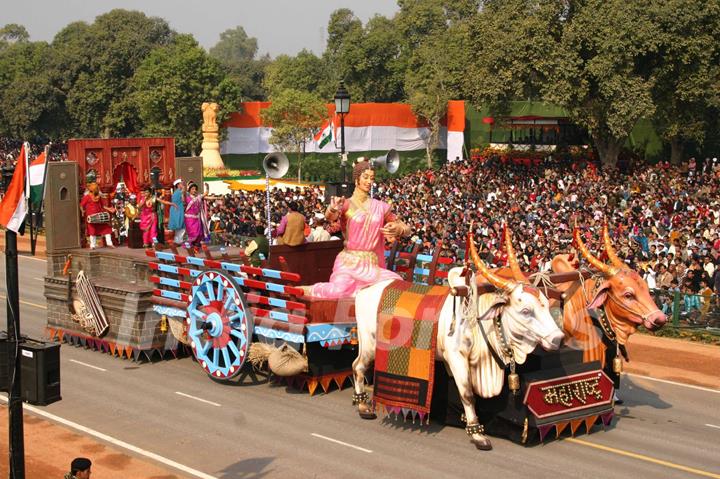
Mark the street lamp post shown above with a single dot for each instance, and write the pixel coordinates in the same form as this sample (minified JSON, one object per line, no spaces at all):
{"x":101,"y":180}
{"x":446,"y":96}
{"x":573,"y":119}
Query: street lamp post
{"x":342,"y":108}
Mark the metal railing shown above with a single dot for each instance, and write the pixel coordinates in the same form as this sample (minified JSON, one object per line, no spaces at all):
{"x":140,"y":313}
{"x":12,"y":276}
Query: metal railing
{"x":689,"y":311}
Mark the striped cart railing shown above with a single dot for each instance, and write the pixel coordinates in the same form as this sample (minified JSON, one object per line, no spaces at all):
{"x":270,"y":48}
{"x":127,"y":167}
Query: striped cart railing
{"x":225,"y":306}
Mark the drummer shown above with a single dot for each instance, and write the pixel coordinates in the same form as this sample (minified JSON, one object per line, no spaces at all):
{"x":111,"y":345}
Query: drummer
{"x":96,"y":212}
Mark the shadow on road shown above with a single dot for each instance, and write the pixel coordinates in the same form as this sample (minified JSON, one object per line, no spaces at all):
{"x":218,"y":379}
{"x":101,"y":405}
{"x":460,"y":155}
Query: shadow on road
{"x":248,"y":376}
{"x":248,"y":469}
{"x":635,"y":395}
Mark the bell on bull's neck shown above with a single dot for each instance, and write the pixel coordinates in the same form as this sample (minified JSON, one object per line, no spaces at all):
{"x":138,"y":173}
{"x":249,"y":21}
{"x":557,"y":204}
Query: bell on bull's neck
{"x":617,"y":361}
{"x":617,"y":365}
{"x":514,"y":382}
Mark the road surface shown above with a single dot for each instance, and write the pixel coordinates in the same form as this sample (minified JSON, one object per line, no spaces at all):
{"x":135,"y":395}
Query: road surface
{"x":170,"y":408}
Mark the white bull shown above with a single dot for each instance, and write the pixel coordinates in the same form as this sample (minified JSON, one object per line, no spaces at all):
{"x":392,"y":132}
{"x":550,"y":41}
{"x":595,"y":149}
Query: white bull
{"x":525,"y":322}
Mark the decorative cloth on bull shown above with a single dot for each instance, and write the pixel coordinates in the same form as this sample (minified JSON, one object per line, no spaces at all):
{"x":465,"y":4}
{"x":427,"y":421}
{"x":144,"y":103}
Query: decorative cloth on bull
{"x":406,"y":339}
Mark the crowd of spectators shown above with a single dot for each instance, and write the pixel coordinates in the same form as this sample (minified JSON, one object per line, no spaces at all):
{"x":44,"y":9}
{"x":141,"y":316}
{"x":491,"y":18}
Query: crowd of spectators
{"x":10,"y":149}
{"x":664,"y":220}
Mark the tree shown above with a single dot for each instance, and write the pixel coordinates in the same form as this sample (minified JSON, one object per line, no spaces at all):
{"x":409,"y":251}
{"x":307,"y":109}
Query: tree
{"x":101,"y":59}
{"x":237,"y":52}
{"x":31,"y":106}
{"x":303,"y":72}
{"x":374,"y":66}
{"x":587,"y":57}
{"x":434,"y":76}
{"x":295,"y":117}
{"x":171,"y":84}
{"x":342,"y":25}
{"x":433,"y":54}
{"x":367,"y":58}
{"x":686,"y":68}
{"x":13,"y":33}
{"x":599,"y":74}
{"x":512,"y":45}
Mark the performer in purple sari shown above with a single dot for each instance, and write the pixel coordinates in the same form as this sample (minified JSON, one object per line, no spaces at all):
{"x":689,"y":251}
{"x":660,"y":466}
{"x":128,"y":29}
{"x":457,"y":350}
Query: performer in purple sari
{"x":365,"y":223}
{"x":196,"y":225}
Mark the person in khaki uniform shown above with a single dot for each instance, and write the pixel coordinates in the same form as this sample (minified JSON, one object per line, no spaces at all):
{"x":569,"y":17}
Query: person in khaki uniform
{"x":291,"y":231}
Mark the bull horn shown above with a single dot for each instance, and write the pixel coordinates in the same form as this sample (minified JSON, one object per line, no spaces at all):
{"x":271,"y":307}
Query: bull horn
{"x":500,"y":283}
{"x":610,"y":250}
{"x":512,"y":258}
{"x":608,"y":271}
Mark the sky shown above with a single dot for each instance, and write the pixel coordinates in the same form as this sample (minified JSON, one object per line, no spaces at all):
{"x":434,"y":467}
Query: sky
{"x":281,"y":26}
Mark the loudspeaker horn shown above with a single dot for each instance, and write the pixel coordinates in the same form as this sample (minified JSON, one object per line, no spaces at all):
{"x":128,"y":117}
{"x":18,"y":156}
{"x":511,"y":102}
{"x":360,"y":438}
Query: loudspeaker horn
{"x":391,"y":161}
{"x":276,"y":165}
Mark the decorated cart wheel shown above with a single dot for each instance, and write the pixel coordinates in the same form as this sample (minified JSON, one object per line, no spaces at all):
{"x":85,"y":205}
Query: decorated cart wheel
{"x":220,"y":325}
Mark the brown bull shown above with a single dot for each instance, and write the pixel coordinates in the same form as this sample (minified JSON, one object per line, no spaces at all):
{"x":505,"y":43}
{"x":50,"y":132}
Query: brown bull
{"x":621,"y":291}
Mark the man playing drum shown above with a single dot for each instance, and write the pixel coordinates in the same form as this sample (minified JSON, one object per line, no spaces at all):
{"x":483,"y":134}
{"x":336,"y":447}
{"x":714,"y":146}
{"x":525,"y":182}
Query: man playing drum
{"x":97,"y":216}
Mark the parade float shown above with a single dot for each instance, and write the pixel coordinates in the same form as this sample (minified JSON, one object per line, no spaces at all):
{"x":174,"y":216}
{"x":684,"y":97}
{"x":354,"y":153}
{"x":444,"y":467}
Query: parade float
{"x":468,"y":345}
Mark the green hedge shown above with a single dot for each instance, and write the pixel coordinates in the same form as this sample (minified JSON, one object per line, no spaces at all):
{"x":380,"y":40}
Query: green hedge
{"x":326,"y":166}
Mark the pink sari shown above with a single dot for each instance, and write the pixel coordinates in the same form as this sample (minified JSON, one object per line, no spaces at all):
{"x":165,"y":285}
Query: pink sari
{"x":362,"y":262}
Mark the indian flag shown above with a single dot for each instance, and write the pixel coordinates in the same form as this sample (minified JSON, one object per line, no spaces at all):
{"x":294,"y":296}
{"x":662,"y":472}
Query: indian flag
{"x":13,"y":206}
{"x":37,"y":180}
{"x":325,"y":135}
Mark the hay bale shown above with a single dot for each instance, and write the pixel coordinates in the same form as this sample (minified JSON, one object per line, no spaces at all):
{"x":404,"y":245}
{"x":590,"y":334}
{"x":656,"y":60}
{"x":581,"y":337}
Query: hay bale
{"x":259,"y":353}
{"x":285,"y":361}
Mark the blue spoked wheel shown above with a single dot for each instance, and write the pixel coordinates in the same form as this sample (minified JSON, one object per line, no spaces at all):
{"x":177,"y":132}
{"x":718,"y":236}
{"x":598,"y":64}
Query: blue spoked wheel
{"x":220,"y":325}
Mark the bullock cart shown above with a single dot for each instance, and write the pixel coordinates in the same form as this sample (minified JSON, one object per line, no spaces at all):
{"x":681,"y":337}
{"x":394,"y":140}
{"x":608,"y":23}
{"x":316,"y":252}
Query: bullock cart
{"x":220,"y":308}
{"x":225,"y":308}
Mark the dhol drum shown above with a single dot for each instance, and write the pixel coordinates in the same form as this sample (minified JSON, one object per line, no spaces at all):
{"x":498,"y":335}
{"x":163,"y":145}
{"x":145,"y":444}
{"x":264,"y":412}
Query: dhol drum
{"x":97,"y":218}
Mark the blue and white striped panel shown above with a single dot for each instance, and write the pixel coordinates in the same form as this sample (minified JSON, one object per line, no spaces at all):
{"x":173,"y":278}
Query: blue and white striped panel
{"x":171,"y":295}
{"x":165,"y":256}
{"x":195,"y":261}
{"x":167,"y":268}
{"x":271,"y":273}
{"x":170,"y":282}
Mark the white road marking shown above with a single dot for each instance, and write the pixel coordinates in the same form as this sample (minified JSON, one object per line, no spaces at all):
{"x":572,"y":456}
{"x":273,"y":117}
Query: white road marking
{"x":341,"y":443}
{"x":39,"y":279}
{"x":674,"y":383}
{"x":713,"y":425}
{"x":198,"y":399}
{"x":116,"y":442}
{"x":87,"y":365}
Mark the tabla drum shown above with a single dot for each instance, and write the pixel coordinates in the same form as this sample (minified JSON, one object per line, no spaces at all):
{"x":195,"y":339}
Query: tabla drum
{"x":98,"y":218}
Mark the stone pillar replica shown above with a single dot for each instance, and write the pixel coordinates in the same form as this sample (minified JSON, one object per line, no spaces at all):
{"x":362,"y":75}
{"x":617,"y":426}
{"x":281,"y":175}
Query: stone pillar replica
{"x":210,"y":130}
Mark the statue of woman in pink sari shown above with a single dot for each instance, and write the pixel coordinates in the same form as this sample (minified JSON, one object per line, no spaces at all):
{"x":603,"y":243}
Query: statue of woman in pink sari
{"x":366,"y":223}
{"x":196,"y":224}
{"x":148,"y":217}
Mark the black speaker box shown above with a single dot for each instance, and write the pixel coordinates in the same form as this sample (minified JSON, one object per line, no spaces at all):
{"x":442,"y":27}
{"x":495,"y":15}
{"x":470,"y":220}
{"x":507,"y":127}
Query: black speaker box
{"x":338,"y":189}
{"x":39,"y":369}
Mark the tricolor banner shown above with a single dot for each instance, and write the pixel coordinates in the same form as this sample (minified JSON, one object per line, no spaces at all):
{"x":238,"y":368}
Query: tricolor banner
{"x":368,"y":127}
{"x":13,"y":207}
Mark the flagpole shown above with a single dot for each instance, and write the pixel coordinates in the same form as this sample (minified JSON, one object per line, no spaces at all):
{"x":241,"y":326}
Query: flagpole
{"x":15,"y":406}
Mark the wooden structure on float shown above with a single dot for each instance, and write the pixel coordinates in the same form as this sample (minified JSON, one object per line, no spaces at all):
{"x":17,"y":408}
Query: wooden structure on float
{"x":106,"y":158}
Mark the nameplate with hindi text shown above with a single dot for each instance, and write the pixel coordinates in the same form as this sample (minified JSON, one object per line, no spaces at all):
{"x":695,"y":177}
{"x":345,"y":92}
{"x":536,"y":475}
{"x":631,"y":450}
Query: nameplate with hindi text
{"x":567,"y":394}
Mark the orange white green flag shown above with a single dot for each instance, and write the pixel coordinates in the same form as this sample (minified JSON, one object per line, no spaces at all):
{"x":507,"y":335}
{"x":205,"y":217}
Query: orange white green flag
{"x":13,"y":206}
